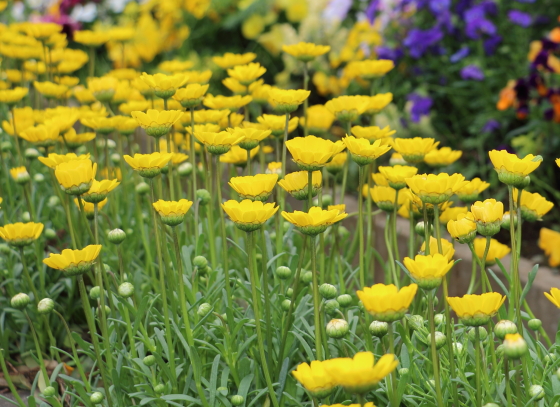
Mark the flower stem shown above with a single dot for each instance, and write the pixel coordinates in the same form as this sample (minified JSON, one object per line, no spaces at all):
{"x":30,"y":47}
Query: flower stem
{"x":28,"y":276}
{"x":267,"y":307}
{"x":478,"y":366}
{"x":435,"y":360}
{"x":38,"y":350}
{"x":210,"y":212}
{"x":392,"y":390}
{"x":316,"y":301}
{"x":170,"y":166}
{"x":361,"y":256}
{"x":306,"y":101}
{"x":193,"y":177}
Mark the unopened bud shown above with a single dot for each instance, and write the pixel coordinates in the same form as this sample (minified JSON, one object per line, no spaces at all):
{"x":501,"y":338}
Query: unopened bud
{"x":379,"y":329}
{"x":185,"y":169}
{"x":306,"y":276}
{"x":96,"y":398}
{"x":159,"y":389}
{"x":115,"y":158}
{"x":116,"y":236}
{"x":31,"y":153}
{"x":203,"y":196}
{"x":345,"y":300}
{"x":50,"y":233}
{"x":20,"y":301}
{"x":337,"y":328}
{"x":416,"y":321}
{"x":514,"y":346}
{"x":483,"y":333}
{"x":439,"y":319}
{"x":142,"y":188}
{"x":550,"y":358}
{"x":26,"y":217}
{"x":286,"y":305}
{"x":49,"y":391}
{"x":204,"y":309}
{"x":126,"y":290}
{"x":458,"y":349}
{"x":95,"y":293}
{"x":53,"y":201}
{"x":328,"y":291}
{"x":534,"y":324}
{"x":38,"y":177}
{"x":536,"y":392}
{"x":45,"y":306}
{"x":331,"y":307}
{"x":440,"y":338}
{"x":283,"y":272}
{"x":149,"y":360}
{"x":200,"y":262}
{"x":504,"y":327}
{"x":403,"y":371}
{"x":237,"y":400}
{"x":290,"y":292}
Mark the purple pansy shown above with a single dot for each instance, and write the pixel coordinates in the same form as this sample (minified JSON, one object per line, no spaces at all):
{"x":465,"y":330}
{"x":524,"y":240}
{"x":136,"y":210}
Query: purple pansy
{"x":421,"y":106}
{"x":371,"y":10}
{"x":491,"y":126}
{"x":520,"y":18}
{"x":472,"y":72}
{"x":462,"y":53}
{"x":393,"y":54}
{"x":477,"y":23}
{"x":418,"y":41}
{"x":490,"y":44}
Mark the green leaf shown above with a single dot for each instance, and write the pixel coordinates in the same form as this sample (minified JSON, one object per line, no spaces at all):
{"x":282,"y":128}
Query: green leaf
{"x":244,"y":386}
{"x":310,"y":355}
{"x":214,"y":379}
{"x":282,"y":377}
{"x":530,"y":280}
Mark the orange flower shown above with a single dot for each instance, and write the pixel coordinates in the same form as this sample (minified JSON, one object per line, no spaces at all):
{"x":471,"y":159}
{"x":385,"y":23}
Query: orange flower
{"x":507,"y":97}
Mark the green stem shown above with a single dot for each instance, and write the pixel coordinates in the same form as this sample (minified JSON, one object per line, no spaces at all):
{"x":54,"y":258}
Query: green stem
{"x":38,"y":350}
{"x":435,"y":360}
{"x":193,"y":177}
{"x":266,"y":294}
{"x":170,"y":167}
{"x":392,"y":390}
{"x":306,"y":101}
{"x":361,"y":171}
{"x":28,"y":276}
{"x":9,"y":381}
{"x":478,"y":373}
{"x":210,"y":213}
{"x":316,"y":301}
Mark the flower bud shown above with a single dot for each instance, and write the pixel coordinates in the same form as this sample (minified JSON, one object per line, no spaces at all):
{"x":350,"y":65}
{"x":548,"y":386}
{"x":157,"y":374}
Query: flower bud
{"x":116,"y":236}
{"x":286,"y":305}
{"x":38,"y":177}
{"x":159,"y":389}
{"x":534,"y":324}
{"x":96,"y":398}
{"x":20,"y":301}
{"x":50,"y":233}
{"x":344,"y":300}
{"x":439,"y":319}
{"x":491,"y":405}
{"x":185,"y":169}
{"x":204,"y":309}
{"x":283,"y":272}
{"x":441,"y":339}
{"x":45,"y":306}
{"x":289,"y":292}
{"x":203,"y":196}
{"x":107,"y":311}
{"x":500,"y":351}
{"x":403,"y":371}
{"x":328,"y":291}
{"x":237,"y":400}
{"x":306,"y":276}
{"x":126,"y":290}
{"x":285,"y":227}
{"x":26,"y":217}
{"x":506,"y":220}
{"x":31,"y":153}
{"x":115,"y":158}
{"x":343,"y":232}
{"x":420,"y":229}
{"x":4,"y":248}
{"x":331,"y":307}
{"x":5,"y":146}
{"x":200,"y":262}
{"x":379,"y":329}
{"x":222,"y":390}
{"x":504,"y":327}
{"x":536,"y":392}
{"x":95,"y":293}
{"x":337,"y":328}
{"x":416,"y":321}
{"x":149,"y":360}
{"x":53,"y":201}
{"x":327,"y":200}
{"x":49,"y":391}
{"x":458,"y":349}
{"x":142,"y":188}
{"x":550,"y":358}
{"x":483,"y":333}
{"x":514,"y":346}
{"x":558,"y":373}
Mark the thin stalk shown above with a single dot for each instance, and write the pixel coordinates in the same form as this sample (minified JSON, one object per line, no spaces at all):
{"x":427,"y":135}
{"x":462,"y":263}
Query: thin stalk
{"x":508,"y":388}
{"x":486,"y":288}
{"x":28,"y":202}
{"x":267,"y":307}
{"x":9,"y":381}
{"x":394,"y":227}
{"x":170,"y":166}
{"x":518,"y":257}
{"x":478,"y":366}
{"x":316,"y":301}
{"x":193,"y":176}
{"x":38,"y":350}
{"x":392,"y":390}
{"x":210,"y":212}
{"x":361,"y":171}
{"x":18,"y":146}
{"x":435,"y":360}
{"x":391,"y":275}
{"x":306,"y":101}
{"x":28,"y":276}
{"x":370,"y":239}
{"x":249,"y":170}
{"x":514,"y":272}
{"x":224,"y":242}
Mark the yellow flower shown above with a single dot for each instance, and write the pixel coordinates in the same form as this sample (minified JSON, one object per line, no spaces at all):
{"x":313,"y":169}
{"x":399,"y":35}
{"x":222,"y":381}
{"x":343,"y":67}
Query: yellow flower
{"x":157,"y":123}
{"x":385,"y":197}
{"x":471,"y":190}
{"x":554,"y":296}
{"x":286,"y":101}
{"x":511,"y":169}
{"x":260,"y":92}
{"x":312,"y":153}
{"x":20,"y":175}
{"x":178,"y":158}
{"x":125,"y":125}
{"x":247,"y":74}
{"x":41,"y":31}
{"x":67,"y":80}
{"x":200,"y":77}
{"x":164,"y":86}
{"x":274,"y":167}
{"x":397,"y":174}
{"x":209,"y":116}
{"x":218,"y":142}
{"x":497,"y":250}
{"x":172,"y":212}
{"x":380,"y":179}
{"x":446,"y":247}
{"x":533,"y":205}
{"x":378,"y":102}
{"x":320,"y":119}
{"x":443,"y":157}
{"x":76,"y":176}
{"x":41,"y":135}
{"x":191,"y":96}
{"x":386,"y":302}
{"x":12,"y":96}
{"x":315,"y":378}
{"x":276,"y":124}
{"x":340,"y":207}
{"x":488,"y":216}
{"x":99,"y":190}
{"x":102,"y":125}
{"x":306,"y":51}
{"x":348,"y":108}
{"x":74,"y":262}
{"x":549,"y":241}
{"x":91,"y":38}
{"x":370,"y":69}
{"x":250,"y":137}
{"x":232,"y":103}
{"x":296,"y":184}
{"x":435,"y":189}
{"x":103,"y":88}
{"x":428,"y":271}
{"x":372,"y":133}
{"x":360,"y":374}
{"x":249,"y":215}
{"x":315,"y":221}
{"x":55,"y":159}
{"x":89,"y":208}
{"x":476,"y":310}
{"x":255,"y":188}
{"x":413,"y":150}
{"x":238,"y":156}
{"x":21,"y":234}
{"x":463,"y":229}
{"x":337,"y":163}
{"x":362,"y":152}
{"x":174,"y":66}
{"x":148,"y":165}
{"x":451,"y":213}
{"x":229,"y":60}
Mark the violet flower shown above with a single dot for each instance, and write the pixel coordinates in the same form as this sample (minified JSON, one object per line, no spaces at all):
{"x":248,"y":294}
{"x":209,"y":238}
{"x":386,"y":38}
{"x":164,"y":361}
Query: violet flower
{"x":491,"y":44}
{"x":477,"y":23}
{"x":520,"y":18}
{"x":491,"y":126}
{"x":418,"y":41}
{"x":462,"y":53}
{"x":421,"y":106}
{"x":472,"y":72}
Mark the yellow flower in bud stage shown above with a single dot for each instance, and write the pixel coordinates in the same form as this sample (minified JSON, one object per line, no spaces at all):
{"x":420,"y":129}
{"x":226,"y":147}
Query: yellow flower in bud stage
{"x":157,"y":123}
{"x":102,"y":125}
{"x":238,"y":156}
{"x":91,"y":38}
{"x":380,"y":179}
{"x":397,"y":174}
{"x":74,"y":262}
{"x":312,"y":153}
{"x":125,"y":125}
{"x":378,"y":102}
{"x":452,"y":213}
{"x":89,"y":208}
{"x":470,"y":191}
{"x":488,"y":216}
{"x":296,"y":184}
{"x":286,"y":101}
{"x":435,"y":189}
{"x":511,"y":169}
{"x":229,"y":60}
{"x":446,"y":247}
{"x":348,"y":108}
{"x":21,"y":234}
{"x":138,"y":105}
{"x":76,"y":176}
{"x":429,"y":270}
{"x":164,"y":86}
{"x":476,"y":310}
{"x":320,"y":119}
{"x":12,"y":96}
{"x":249,"y":215}
{"x":277,"y":123}
{"x":247,"y":74}
{"x":41,"y":31}
{"x":463,"y":229}
{"x":99,"y":190}
{"x":385,"y":197}
{"x":443,"y":157}
{"x":372,"y":133}
{"x":200,"y":77}
{"x":549,"y":241}
{"x":533,"y":205}
{"x":274,"y":167}
{"x":175,"y":66}
{"x":250,"y":137}
{"x":255,"y":188}
{"x":218,"y":142}
{"x":337,"y":163}
{"x":41,"y":135}
{"x":386,"y":302}
{"x":148,"y":165}
{"x":554,"y":296}
{"x":73,"y":140}
{"x":172,"y":212}
{"x":191,"y":96}
{"x":20,"y":175}
{"x":315,"y":378}
{"x":209,"y":116}
{"x":232,"y":103}
{"x":497,"y":250}
{"x":306,"y":51}
{"x":314,"y":221}
{"x":413,"y":150}
{"x":55,"y":159}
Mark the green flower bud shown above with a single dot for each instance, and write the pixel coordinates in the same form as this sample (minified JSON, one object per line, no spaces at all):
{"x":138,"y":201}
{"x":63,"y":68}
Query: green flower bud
{"x":536,"y":392}
{"x":379,"y":329}
{"x":223,"y":391}
{"x":558,"y":373}
{"x":20,"y":301}
{"x":327,"y":200}
{"x":550,"y":358}
{"x":343,"y":232}
{"x":440,"y":338}
{"x":534,"y":324}
{"x":506,"y":220}
{"x":491,"y":405}
{"x":337,"y":328}
{"x":488,"y":229}
{"x":45,"y":306}
{"x":286,"y":305}
{"x":159,"y":389}
{"x":283,"y":272}
{"x":95,"y":293}
{"x":285,"y":227}
{"x":439,"y":319}
{"x":185,"y":169}
{"x":31,"y":153}
{"x":482,"y":332}
{"x":107,"y":311}
{"x":306,"y":276}
{"x":200,"y":262}
{"x":328,"y":291}
{"x":345,"y":300}
{"x":458,"y":349}
{"x":420,"y":229}
{"x":203,"y":196}
{"x":142,"y":188}
{"x":504,"y":327}
{"x":416,"y":321}
{"x":49,"y":391}
{"x":4,"y":248}
{"x":116,"y":236}
{"x":289,"y":292}
{"x":26,"y":217}
{"x":258,"y":256}
{"x":500,"y":351}
{"x":38,"y":178}
{"x":403,"y":371}
{"x":53,"y":201}
{"x":237,"y":400}
{"x":515,"y":346}
{"x":5,"y":146}
{"x":331,"y":307}
{"x":50,"y":233}
{"x":96,"y":398}
{"x":126,"y":290}
{"x":115,"y":158}
{"x":149,"y":360}
{"x":204,"y":309}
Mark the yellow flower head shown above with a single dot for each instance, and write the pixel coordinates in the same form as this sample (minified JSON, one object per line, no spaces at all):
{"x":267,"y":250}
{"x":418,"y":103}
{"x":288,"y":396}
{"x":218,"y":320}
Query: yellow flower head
{"x":435,"y":189}
{"x":286,"y":101}
{"x":200,"y":77}
{"x":372,"y":133}
{"x":41,"y":135}
{"x":229,"y":60}
{"x":476,"y":310}
{"x":497,"y":250}
{"x":511,"y":169}
{"x":249,"y":215}
{"x":91,"y":38}
{"x":99,"y":190}
{"x":320,"y":119}
{"x":386,"y":197}
{"x":21,"y":234}
{"x":148,"y":165}
{"x":238,"y":156}
{"x":533,"y":205}
{"x":20,"y":175}
{"x":172,"y":212}
{"x":471,"y":190}
{"x":380,"y":179}
{"x":89,"y":208}
{"x":250,"y":137}
{"x":218,"y":142}
{"x":306,"y":51}
{"x":378,"y":102}
{"x":247,"y":74}
{"x":386,"y":302}
{"x":64,"y":121}
{"x":397,"y":174}
{"x":428,"y":270}
{"x":554,"y":296}
{"x":41,"y":31}
{"x":74,"y":262}
{"x":232,"y":103}
{"x":312,"y":153}
{"x":296,"y":184}
{"x":255,"y":188}
{"x":348,"y":108}
{"x":488,"y":216}
{"x":315,"y":221}
{"x":276,"y":124}
{"x":549,"y":241}
{"x":157,"y":123}
{"x":413,"y":150}
{"x":51,"y":90}
{"x":315,"y":378}
{"x":191,"y":96}
{"x":209,"y":116}
{"x":362,"y":152}
{"x":103,"y":88}
{"x":260,"y":92}
{"x":54,"y":159}
{"x":337,"y":163}
{"x":446,"y":247}
{"x":76,"y":176}
{"x":463,"y":229}
{"x":125,"y":125}
{"x":360,"y":374}
{"x":164,"y":86}
{"x":83,"y":95}
{"x":12,"y":96}
{"x":102,"y":125}
{"x":274,"y":167}
{"x":443,"y":157}
{"x":174,"y":66}
{"x":369,"y":69}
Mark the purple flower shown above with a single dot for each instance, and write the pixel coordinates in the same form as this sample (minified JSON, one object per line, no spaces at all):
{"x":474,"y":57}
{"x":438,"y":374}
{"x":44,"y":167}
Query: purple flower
{"x":490,"y":7}
{"x":371,"y":10}
{"x":337,"y":10}
{"x":472,"y":72}
{"x":525,"y":1}
{"x":477,"y":23}
{"x":393,"y":54}
{"x":491,"y":126}
{"x":491,"y":44}
{"x":418,"y":41}
{"x":462,"y":53}
{"x":439,"y":6}
{"x":421,"y":106}
{"x":520,"y":18}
